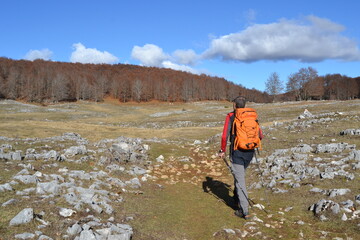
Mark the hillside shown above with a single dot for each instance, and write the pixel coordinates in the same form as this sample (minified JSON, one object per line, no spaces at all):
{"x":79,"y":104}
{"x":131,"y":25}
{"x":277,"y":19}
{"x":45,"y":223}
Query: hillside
{"x":47,"y":82}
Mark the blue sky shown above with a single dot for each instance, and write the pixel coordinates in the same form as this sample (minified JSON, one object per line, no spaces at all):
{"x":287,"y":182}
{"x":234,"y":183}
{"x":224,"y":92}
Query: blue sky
{"x":242,"y":41}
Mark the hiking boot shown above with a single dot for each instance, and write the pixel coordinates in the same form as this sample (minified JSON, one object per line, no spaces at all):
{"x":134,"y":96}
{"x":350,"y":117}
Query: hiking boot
{"x":239,"y":213}
{"x":248,"y":217}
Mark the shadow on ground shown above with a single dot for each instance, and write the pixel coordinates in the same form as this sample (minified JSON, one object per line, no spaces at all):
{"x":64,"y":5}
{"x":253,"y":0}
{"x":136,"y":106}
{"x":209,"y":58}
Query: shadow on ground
{"x":220,"y":191}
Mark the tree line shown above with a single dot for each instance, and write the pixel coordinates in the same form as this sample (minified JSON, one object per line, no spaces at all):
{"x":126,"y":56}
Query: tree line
{"x":47,"y":81}
{"x":306,"y":84}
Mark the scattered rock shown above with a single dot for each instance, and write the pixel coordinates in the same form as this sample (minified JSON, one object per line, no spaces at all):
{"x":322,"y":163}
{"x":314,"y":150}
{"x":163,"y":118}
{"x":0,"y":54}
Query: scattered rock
{"x":24,"y":216}
{"x":5,"y":187}
{"x":325,"y":205}
{"x":86,"y":235}
{"x":121,"y":147}
{"x":44,"y":237}
{"x":134,"y":183}
{"x":16,"y":156}
{"x":348,"y":206}
{"x":357,"y":198}
{"x":327,"y":175}
{"x":25,"y":236}
{"x":137,"y":171}
{"x":9,"y":202}
{"x":338,"y":192}
{"x":288,"y":209}
{"x":302,"y":148}
{"x":48,"y":188}
{"x":160,"y":159}
{"x":26,"y":179}
{"x":66,"y":212}
{"x":228,"y":233}
{"x":350,"y":132}
{"x":306,"y":114}
{"x":74,"y":229}
{"x":333,"y":147}
{"x":75,"y":150}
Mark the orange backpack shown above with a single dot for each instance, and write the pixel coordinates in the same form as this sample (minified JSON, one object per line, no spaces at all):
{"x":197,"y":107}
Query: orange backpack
{"x":246,"y":129}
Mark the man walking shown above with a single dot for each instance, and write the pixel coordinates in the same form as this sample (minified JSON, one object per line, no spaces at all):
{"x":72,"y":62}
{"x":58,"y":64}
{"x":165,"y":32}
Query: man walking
{"x":239,"y":157}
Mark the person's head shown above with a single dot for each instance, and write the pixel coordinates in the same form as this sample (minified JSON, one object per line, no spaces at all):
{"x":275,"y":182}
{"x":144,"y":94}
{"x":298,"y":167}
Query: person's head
{"x":239,"y":102}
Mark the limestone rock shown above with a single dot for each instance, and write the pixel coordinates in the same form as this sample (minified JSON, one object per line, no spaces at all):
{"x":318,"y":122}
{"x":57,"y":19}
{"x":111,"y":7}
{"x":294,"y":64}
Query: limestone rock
{"x":5,"y":187}
{"x":74,"y":229}
{"x":66,"y":212}
{"x":338,"y":192}
{"x":306,"y":114}
{"x":25,"y":236}
{"x":350,"y":132}
{"x":48,"y":187}
{"x":24,"y":216}
{"x":325,"y":205}
{"x":27,"y":179}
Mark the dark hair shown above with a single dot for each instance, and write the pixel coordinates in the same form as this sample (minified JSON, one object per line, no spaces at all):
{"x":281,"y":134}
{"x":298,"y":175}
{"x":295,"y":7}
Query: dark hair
{"x":240,"y":102}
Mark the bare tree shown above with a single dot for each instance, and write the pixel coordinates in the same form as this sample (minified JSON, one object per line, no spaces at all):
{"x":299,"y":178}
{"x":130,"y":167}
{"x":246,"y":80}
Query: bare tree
{"x":297,"y":82}
{"x":137,"y":90}
{"x":186,"y":93}
{"x":125,"y":92}
{"x":274,"y":85}
{"x":165,"y":90}
{"x":306,"y":75}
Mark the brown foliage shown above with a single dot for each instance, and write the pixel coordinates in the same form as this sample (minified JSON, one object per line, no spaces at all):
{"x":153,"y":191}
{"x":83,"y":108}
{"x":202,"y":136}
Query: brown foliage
{"x":46,"y":81}
{"x":341,"y":87}
{"x":328,"y":87}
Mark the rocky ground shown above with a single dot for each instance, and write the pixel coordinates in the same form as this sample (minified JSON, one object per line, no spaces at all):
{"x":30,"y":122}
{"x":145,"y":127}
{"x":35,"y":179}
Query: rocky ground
{"x":81,"y":200}
{"x":66,"y":187}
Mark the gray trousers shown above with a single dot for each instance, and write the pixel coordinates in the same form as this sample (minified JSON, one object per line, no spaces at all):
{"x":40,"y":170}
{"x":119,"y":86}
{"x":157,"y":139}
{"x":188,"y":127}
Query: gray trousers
{"x":239,"y":170}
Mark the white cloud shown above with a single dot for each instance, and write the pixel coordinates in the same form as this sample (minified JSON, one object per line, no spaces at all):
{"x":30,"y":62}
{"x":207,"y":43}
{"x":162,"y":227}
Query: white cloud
{"x":188,"y":57}
{"x":169,"y":64}
{"x":82,"y":54}
{"x":149,"y":55}
{"x":154,"y":56}
{"x":313,"y":40}
{"x":44,"y":54}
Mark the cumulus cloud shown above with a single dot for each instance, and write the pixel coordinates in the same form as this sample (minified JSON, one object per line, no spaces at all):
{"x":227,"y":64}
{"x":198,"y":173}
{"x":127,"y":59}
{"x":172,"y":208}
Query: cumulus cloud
{"x":312,"y":40}
{"x":149,"y":55}
{"x":44,"y":54}
{"x":179,"y":67}
{"x":82,"y":54}
{"x":188,"y":57}
{"x":154,"y":56}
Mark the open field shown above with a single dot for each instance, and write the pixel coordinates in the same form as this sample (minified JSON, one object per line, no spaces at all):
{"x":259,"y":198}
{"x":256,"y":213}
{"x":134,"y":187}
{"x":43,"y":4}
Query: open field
{"x":189,"y":193}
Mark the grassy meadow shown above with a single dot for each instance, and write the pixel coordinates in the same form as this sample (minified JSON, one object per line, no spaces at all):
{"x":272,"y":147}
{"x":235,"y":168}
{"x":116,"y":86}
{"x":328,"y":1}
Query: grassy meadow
{"x":175,"y":206}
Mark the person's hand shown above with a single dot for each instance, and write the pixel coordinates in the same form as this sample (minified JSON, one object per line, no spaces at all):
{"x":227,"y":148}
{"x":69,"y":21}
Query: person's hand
{"x":221,"y":154}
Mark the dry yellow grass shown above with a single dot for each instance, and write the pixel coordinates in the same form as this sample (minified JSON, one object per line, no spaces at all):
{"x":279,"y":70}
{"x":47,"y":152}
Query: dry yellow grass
{"x":96,"y":121}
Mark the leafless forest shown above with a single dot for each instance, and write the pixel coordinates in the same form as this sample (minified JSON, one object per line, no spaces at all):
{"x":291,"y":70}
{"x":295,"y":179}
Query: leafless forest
{"x":47,"y":81}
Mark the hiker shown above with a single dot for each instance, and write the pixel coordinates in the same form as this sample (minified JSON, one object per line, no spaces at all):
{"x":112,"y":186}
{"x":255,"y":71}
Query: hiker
{"x":239,"y":157}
